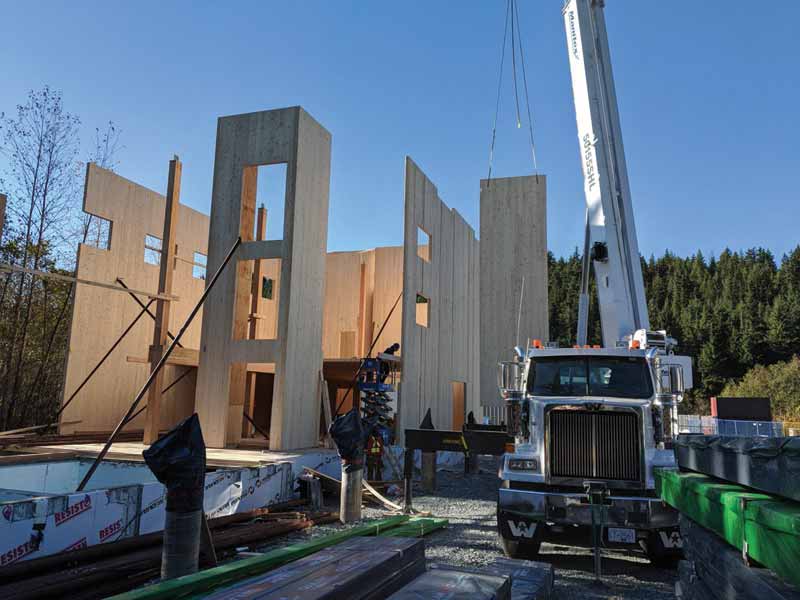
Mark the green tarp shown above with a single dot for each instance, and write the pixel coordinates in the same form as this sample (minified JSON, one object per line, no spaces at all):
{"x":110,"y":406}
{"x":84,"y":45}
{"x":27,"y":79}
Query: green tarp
{"x":768,"y":526}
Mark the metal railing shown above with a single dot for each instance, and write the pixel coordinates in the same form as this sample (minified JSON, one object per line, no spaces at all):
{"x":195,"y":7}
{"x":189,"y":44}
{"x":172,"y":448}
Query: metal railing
{"x":714,"y":426}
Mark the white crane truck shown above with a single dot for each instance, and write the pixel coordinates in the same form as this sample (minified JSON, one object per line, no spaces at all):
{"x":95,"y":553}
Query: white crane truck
{"x":591,"y":423}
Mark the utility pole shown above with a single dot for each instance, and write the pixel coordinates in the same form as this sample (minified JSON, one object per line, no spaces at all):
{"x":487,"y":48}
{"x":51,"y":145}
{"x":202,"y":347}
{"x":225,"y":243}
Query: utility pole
{"x":167,"y":266}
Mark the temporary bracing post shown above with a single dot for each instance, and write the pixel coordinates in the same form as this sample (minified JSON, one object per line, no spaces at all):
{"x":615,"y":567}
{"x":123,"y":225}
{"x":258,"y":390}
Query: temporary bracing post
{"x":429,"y":471}
{"x":158,"y":366}
{"x":152,"y":422}
{"x":350,"y":498}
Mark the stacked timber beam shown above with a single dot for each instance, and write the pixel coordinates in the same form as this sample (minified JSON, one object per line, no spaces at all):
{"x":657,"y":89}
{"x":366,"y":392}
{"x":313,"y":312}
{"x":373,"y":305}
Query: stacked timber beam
{"x":729,"y":529}
{"x":390,"y":563}
{"x":713,"y":569}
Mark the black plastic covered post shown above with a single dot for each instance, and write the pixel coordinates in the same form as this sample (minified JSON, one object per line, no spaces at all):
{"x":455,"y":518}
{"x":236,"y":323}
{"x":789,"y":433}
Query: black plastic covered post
{"x":178,"y":460}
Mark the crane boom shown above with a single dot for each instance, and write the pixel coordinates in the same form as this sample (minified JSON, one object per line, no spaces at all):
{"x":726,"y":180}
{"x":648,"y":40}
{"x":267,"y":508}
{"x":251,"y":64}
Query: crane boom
{"x":611,"y":231}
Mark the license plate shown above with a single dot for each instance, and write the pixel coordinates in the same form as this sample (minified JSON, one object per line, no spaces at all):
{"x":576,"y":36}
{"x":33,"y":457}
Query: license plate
{"x":621,"y":535}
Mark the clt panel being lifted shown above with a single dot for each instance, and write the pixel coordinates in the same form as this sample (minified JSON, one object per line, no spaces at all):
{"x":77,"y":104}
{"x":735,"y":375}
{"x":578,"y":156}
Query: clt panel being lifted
{"x":440,"y":309}
{"x":245,"y":142}
{"x":513,"y":247}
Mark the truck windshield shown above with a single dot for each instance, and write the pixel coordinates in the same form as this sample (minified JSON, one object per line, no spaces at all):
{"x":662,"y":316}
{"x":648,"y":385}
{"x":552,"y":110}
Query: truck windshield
{"x":615,"y":377}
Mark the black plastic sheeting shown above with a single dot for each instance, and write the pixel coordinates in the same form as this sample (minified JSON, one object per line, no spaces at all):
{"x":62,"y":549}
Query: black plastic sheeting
{"x":770,"y":465}
{"x":178,"y":460}
{"x":350,"y":434}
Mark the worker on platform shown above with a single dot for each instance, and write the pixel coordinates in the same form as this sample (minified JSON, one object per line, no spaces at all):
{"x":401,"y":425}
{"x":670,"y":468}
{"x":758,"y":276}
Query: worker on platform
{"x":375,"y":456}
{"x":385,"y":368}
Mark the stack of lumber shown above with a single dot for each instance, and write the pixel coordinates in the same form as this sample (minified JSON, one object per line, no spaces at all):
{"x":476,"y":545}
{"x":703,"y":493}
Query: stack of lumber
{"x":714,"y":570}
{"x":764,"y":528}
{"x":34,"y":438}
{"x":357,"y":569}
{"x":758,"y":462}
{"x":227,"y":574}
{"x":97,"y":571}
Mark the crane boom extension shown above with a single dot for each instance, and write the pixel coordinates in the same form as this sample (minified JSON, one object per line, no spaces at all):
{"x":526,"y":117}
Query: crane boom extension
{"x":611,"y":231}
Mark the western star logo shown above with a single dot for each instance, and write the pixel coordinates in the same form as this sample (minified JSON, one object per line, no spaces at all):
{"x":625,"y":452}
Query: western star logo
{"x":79,"y":545}
{"x":15,"y":554}
{"x":522,"y":529}
{"x":588,"y":161}
{"x":671,"y":540}
{"x":110,"y":530}
{"x":74,"y":510}
{"x":573,"y":35}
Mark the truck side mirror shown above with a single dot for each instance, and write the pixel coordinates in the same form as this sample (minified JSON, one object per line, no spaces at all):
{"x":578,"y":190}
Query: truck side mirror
{"x":670,"y":381}
{"x":676,"y":380}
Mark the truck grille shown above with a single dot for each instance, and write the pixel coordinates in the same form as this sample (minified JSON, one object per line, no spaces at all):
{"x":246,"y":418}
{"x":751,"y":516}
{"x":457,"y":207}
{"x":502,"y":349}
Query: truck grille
{"x":589,"y":444}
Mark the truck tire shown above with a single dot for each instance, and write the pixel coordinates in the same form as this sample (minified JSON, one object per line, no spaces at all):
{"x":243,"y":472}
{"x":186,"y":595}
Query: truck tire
{"x":528,"y":549}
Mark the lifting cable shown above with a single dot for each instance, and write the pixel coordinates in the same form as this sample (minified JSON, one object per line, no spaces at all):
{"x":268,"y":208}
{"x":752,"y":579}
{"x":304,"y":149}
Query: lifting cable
{"x":512,"y":19}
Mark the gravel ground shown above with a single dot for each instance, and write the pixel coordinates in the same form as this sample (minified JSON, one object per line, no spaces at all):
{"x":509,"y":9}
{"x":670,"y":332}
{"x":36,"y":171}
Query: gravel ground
{"x":471,"y":540}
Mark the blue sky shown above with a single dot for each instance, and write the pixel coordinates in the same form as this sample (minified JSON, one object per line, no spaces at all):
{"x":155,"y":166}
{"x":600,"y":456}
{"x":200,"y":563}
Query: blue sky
{"x":709,"y":95}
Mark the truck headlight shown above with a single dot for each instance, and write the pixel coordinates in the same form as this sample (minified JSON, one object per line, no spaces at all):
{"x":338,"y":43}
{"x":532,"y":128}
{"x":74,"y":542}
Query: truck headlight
{"x":523,"y":464}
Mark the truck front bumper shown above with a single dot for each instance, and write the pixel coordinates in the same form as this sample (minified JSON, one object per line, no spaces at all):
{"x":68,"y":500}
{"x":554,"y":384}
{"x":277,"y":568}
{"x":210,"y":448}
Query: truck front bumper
{"x":574,"y":509}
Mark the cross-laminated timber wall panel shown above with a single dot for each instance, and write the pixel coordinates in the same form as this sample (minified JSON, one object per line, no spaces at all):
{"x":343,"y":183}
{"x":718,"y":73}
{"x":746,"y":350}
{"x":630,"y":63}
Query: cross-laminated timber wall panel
{"x":360,"y":289}
{"x":513,"y":245}
{"x":447,"y":349}
{"x":244,"y":142}
{"x":99,"y":316}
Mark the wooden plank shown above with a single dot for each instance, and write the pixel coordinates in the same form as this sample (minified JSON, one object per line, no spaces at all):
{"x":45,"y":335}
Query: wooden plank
{"x":32,"y":429}
{"x":100,"y":284}
{"x":152,"y":423}
{"x":185,"y":357}
{"x":29,"y":456}
{"x":326,"y":411}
